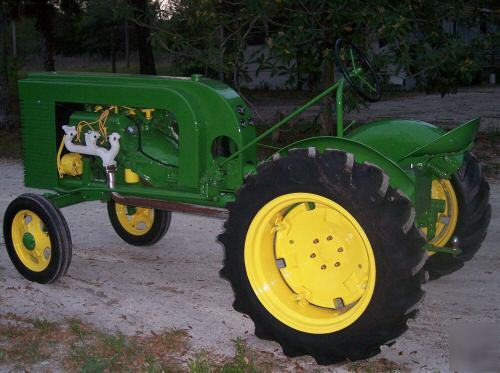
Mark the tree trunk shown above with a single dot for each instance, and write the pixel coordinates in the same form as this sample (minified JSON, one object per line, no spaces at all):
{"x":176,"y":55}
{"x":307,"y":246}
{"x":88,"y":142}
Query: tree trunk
{"x":327,"y":125}
{"x":4,"y":77}
{"x":146,"y":57}
{"x":220,"y":38}
{"x":113,"y":51}
{"x":127,"y":46}
{"x":14,"y":39}
{"x":44,"y":14}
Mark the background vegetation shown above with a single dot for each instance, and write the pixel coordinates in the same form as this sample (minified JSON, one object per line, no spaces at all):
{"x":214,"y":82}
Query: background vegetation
{"x":294,"y":38}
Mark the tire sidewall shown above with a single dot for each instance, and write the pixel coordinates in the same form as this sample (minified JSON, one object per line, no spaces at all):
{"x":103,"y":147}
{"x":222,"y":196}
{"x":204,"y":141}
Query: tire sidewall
{"x":161,"y":223}
{"x":371,"y":326}
{"x":48,"y":215}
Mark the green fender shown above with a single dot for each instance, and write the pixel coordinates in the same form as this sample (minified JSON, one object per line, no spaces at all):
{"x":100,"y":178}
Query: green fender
{"x":396,"y":138}
{"x":398,"y":178}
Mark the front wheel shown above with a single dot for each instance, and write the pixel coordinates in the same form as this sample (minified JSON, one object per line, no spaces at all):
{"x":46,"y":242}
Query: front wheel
{"x":138,"y":226}
{"x":37,"y":238}
{"x":323,"y":255}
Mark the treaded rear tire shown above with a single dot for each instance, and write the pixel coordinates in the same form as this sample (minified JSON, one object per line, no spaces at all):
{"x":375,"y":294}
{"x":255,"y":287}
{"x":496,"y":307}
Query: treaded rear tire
{"x":387,"y":217}
{"x":474,"y":213}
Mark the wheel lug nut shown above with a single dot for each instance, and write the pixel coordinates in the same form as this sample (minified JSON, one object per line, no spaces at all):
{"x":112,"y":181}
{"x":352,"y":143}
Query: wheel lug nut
{"x":315,"y":241}
{"x":323,"y":266}
{"x":337,"y":264}
{"x":313,"y":255}
{"x":340,"y":249}
{"x":329,"y":238}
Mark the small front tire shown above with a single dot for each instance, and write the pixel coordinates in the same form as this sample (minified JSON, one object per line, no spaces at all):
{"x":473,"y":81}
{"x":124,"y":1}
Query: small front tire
{"x":138,"y":226}
{"x":37,"y":238}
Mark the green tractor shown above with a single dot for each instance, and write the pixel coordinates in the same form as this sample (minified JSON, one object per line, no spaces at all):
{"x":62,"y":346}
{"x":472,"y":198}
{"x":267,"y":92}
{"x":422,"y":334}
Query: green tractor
{"x":326,"y":243}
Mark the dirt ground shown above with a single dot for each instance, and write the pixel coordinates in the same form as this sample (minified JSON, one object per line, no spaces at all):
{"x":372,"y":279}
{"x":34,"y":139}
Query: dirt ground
{"x":449,"y":110}
{"x":175,"y":285}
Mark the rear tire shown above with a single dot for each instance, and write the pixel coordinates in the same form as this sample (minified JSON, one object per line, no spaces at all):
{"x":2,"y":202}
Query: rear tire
{"x":37,"y":238}
{"x":474,"y":213}
{"x":138,"y":226}
{"x":386,"y":217}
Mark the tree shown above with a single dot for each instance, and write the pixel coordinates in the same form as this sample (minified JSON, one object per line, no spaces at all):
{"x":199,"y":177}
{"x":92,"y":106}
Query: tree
{"x":210,"y":36}
{"x":101,"y":27}
{"x":409,"y":35}
{"x":142,"y":17}
{"x":43,"y":11}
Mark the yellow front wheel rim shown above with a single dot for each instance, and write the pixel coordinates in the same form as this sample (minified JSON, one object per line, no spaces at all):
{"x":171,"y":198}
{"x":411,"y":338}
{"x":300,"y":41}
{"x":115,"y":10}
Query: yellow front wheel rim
{"x":310,"y":263}
{"x":446,"y":220}
{"x":31,"y":240}
{"x":135,"y":220}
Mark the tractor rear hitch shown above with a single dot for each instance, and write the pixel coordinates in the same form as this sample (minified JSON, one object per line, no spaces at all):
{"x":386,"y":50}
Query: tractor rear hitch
{"x":453,"y":250}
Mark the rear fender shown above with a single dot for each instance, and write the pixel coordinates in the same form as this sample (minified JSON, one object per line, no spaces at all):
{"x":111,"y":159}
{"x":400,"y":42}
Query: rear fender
{"x":396,"y":138}
{"x":398,"y":178}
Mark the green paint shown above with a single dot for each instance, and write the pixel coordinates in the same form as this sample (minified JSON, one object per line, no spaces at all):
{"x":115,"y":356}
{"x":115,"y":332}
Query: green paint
{"x":176,"y":154}
{"x":28,"y":241}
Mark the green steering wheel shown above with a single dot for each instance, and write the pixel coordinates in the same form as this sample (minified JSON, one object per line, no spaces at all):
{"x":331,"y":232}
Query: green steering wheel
{"x":357,"y":70}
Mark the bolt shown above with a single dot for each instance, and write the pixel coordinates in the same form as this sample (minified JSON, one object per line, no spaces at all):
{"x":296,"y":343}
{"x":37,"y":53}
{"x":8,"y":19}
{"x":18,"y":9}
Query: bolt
{"x":292,"y":242}
{"x":329,"y":238}
{"x":313,"y":255}
{"x":315,"y":241}
{"x":340,"y":249}
{"x":360,"y":266}
{"x":337,"y":264}
{"x":323,"y":266}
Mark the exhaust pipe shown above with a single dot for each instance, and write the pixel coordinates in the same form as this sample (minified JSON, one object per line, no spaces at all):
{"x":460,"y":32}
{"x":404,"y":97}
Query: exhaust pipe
{"x":185,"y":208}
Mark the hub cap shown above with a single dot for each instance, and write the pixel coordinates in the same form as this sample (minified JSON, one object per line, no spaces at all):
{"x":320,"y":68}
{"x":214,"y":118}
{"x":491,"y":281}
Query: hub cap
{"x":310,"y":263}
{"x":135,"y":220}
{"x":447,"y":220}
{"x":31,"y":240}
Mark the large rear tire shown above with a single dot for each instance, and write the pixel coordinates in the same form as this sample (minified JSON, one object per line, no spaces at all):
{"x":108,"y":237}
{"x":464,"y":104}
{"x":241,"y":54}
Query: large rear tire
{"x":323,"y":255}
{"x":473,"y":218}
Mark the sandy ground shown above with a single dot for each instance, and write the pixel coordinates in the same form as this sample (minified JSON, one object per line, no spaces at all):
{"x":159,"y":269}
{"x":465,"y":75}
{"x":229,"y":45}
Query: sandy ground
{"x":175,"y":284}
{"x":449,"y":110}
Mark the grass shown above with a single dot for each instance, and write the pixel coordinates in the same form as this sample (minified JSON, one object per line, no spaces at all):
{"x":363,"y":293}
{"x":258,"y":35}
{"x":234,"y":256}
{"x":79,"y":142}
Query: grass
{"x":77,"y":347}
{"x":244,"y":361}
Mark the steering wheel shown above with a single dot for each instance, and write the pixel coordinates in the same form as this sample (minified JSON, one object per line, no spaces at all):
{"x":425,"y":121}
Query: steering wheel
{"x":357,"y":70}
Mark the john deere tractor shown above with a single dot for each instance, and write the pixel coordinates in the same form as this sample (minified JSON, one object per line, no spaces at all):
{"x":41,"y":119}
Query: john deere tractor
{"x":327,"y":242}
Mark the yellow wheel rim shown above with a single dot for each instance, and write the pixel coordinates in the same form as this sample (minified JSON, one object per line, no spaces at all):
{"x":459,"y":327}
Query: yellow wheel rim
{"x":310,"y":263}
{"x":31,"y":240}
{"x":447,"y":220}
{"x":135,"y":220}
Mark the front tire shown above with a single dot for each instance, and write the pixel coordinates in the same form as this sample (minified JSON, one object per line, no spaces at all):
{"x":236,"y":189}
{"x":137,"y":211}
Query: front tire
{"x":285,"y":261}
{"x":138,"y":226}
{"x":37,"y":238}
